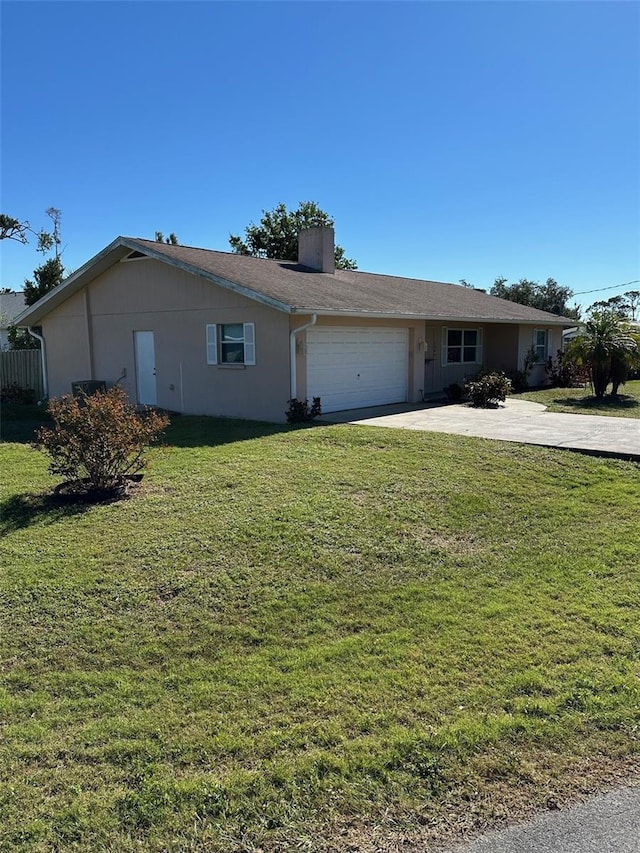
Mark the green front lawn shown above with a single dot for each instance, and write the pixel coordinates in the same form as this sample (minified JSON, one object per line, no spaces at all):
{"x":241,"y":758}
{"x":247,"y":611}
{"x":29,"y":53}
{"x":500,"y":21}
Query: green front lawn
{"x":313,"y":639}
{"x":18,"y":423}
{"x":580,"y":401}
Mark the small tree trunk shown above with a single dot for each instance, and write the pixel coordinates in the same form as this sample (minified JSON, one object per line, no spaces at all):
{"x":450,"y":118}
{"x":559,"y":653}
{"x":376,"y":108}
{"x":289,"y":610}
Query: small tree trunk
{"x":600,"y":378}
{"x":619,"y":374}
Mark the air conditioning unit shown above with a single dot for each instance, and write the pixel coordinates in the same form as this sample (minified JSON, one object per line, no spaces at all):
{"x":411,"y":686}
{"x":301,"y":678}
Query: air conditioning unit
{"x":88,"y":387}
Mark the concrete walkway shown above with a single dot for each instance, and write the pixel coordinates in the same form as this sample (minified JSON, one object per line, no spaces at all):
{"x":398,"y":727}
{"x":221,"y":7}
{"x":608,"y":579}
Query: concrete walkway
{"x":516,"y":420}
{"x":608,"y":823}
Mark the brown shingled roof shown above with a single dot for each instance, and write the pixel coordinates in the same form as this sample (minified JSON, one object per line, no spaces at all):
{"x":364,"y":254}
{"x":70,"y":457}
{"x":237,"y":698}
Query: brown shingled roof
{"x":290,"y":287}
{"x":348,"y":291}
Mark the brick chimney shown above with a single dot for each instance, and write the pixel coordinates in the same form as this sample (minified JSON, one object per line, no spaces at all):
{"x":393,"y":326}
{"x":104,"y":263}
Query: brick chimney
{"x":316,"y":248}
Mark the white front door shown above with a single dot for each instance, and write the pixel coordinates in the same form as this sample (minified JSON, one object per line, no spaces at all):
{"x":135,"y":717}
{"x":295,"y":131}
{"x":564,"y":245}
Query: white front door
{"x":145,"y":368}
{"x":349,"y":368}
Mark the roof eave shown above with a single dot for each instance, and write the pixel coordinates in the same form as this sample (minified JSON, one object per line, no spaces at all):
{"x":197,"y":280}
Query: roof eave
{"x":440,"y":318}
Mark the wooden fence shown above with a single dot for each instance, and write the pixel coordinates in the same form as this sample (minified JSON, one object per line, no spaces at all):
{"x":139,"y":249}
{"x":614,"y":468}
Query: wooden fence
{"x":24,"y":367}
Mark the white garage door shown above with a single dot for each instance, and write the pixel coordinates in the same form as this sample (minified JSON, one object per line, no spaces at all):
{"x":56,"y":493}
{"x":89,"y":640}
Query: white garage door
{"x":349,"y":368}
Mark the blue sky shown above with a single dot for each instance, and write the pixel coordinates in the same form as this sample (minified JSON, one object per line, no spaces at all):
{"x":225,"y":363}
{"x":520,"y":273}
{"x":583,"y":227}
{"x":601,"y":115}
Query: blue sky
{"x":448,"y":140}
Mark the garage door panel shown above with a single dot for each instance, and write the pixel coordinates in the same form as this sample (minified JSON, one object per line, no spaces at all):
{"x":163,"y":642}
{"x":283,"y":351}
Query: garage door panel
{"x":352,"y":367}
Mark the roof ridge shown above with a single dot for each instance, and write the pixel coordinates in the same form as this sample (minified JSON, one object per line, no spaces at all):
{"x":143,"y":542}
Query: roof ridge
{"x":206,"y":249}
{"x":284,"y":261}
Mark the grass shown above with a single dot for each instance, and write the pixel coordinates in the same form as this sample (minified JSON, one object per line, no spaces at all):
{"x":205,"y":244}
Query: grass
{"x":332,"y":638}
{"x":18,"y":423}
{"x":582,"y":402}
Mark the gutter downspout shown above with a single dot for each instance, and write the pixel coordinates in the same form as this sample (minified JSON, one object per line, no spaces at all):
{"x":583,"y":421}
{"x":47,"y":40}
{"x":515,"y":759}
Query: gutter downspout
{"x":43,"y":356}
{"x":292,"y":348}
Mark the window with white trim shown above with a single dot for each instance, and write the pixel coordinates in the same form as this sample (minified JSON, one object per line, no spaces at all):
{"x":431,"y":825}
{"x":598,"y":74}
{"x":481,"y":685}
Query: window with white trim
{"x":461,"y":346}
{"x":231,"y":343}
{"x":540,"y":344}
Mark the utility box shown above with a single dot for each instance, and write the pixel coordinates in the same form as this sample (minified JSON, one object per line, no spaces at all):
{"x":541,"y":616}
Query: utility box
{"x":88,"y":387}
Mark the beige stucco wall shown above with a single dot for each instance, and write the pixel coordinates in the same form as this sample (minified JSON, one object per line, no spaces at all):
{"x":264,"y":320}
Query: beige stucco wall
{"x":538,"y":375}
{"x":67,"y":345}
{"x":176,"y":306}
{"x":504,"y":346}
{"x":501,"y":347}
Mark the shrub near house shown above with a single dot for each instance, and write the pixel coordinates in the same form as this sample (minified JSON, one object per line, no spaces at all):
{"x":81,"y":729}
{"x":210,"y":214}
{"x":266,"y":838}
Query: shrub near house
{"x":488,"y":389}
{"x":98,"y":442}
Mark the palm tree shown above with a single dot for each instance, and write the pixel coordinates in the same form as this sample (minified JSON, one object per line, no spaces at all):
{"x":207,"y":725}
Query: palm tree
{"x":604,"y":345}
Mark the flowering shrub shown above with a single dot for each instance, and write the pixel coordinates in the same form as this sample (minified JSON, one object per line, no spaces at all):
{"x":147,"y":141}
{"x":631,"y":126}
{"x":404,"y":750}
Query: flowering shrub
{"x":98,"y":441}
{"x":564,"y":371}
{"x":488,"y":389}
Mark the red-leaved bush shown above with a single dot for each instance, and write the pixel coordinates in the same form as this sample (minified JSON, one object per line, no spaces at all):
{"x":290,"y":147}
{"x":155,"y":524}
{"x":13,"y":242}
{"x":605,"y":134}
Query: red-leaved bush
{"x":98,"y":441}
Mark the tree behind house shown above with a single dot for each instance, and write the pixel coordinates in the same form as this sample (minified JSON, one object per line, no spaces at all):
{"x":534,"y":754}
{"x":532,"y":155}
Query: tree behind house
{"x":626,"y":305}
{"x":550,"y":296}
{"x":45,"y":277}
{"x":277,"y":234}
{"x":171,"y":240}
{"x":18,"y":230}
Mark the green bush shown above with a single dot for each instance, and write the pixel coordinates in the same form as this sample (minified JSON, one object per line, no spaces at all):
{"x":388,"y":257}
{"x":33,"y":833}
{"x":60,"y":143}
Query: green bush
{"x":519,"y":380}
{"x":488,"y":389}
{"x":98,"y":441}
{"x":564,"y":371}
{"x":300,"y":412}
{"x":14,"y":393}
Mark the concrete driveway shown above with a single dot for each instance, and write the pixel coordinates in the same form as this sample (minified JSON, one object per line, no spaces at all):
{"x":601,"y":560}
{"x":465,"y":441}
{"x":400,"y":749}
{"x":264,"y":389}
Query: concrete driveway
{"x":609,"y":823}
{"x":516,"y":420}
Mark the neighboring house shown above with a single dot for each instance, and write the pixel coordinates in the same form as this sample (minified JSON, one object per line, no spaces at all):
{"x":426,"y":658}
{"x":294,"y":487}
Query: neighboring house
{"x":205,"y":332}
{"x":11,"y":304}
{"x":570,"y":334}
